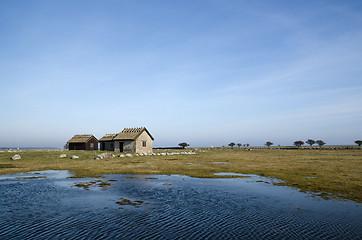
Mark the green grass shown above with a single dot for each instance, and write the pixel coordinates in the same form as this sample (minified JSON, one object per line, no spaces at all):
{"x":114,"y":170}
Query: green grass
{"x":336,"y":172}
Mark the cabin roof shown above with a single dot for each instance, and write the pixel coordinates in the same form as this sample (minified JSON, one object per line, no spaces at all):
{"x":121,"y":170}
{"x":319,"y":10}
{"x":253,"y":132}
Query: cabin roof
{"x":108,"y":137}
{"x":131,"y":133}
{"x":81,"y":138}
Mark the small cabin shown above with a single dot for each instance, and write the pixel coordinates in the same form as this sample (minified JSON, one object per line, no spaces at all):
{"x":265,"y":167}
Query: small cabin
{"x":83,"y":142}
{"x":138,"y":140}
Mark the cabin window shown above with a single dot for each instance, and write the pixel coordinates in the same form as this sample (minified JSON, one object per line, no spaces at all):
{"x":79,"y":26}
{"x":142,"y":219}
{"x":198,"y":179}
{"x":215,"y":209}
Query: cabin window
{"x":92,"y":145}
{"x":144,"y":143}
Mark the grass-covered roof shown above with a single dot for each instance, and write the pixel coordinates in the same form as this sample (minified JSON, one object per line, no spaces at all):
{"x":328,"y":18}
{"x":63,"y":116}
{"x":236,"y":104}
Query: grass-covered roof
{"x":107,"y":137}
{"x":81,"y":138}
{"x":131,"y":133}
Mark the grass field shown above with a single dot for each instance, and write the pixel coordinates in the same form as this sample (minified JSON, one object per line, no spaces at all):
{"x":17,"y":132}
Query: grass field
{"x":329,"y":173}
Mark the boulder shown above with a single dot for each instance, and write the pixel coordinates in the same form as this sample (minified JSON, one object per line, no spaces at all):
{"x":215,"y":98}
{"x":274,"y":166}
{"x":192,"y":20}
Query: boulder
{"x":122,"y":155}
{"x":98,"y":157}
{"x":74,"y":157}
{"x":16,"y":157}
{"x":63,"y":155}
{"x":129,"y":155}
{"x":107,"y":155}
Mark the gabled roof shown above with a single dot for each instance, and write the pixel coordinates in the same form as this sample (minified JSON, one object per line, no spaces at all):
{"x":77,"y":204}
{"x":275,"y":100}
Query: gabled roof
{"x":131,"y":133}
{"x":108,"y":137}
{"x":81,"y":138}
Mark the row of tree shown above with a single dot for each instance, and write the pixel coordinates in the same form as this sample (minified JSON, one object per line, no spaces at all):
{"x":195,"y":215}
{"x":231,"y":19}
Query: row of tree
{"x":311,"y":142}
{"x":239,"y":144}
{"x":299,"y":143}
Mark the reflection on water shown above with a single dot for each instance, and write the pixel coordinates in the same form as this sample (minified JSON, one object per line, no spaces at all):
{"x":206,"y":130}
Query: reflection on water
{"x":168,"y":207}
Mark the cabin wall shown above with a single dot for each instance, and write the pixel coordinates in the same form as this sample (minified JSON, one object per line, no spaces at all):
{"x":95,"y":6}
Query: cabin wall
{"x":107,"y":146}
{"x":129,"y":146}
{"x":144,"y":138}
{"x":124,"y":146}
{"x":76,"y":146}
{"x":89,"y":146}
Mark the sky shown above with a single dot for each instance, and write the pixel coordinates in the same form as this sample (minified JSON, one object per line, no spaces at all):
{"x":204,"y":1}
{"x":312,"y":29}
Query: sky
{"x":205,"y":72}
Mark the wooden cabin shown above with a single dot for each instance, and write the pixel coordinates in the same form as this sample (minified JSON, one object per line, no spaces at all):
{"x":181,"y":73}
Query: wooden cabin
{"x":83,"y":142}
{"x":138,"y":140}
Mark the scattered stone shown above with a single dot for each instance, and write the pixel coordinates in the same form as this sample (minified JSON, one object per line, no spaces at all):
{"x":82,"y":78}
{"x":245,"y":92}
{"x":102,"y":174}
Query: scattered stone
{"x":122,"y":155}
{"x":63,"y":155}
{"x":98,"y":157}
{"x":129,"y":155}
{"x":74,"y":157}
{"x":16,"y":157}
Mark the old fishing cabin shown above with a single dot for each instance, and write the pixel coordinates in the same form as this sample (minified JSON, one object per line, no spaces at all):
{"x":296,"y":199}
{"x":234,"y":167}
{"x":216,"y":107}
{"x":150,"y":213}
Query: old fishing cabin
{"x":138,"y":140}
{"x":83,"y":142}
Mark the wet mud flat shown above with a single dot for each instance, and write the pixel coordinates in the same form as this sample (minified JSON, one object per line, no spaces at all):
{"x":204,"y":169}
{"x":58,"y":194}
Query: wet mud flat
{"x":53,"y":205}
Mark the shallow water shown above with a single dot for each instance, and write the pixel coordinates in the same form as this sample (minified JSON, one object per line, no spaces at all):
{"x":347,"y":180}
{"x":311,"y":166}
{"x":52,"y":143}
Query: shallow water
{"x":168,"y":207}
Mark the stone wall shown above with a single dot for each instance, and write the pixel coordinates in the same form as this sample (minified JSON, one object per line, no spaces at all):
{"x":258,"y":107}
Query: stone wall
{"x":144,"y":137}
{"x":129,"y":146}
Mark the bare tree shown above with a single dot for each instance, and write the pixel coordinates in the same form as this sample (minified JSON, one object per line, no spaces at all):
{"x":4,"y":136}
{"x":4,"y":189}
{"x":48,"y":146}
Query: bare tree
{"x":310,"y":142}
{"x":298,"y":143}
{"x":183,"y":145}
{"x":320,"y":143}
{"x":268,"y":144}
{"x":358,"y":142}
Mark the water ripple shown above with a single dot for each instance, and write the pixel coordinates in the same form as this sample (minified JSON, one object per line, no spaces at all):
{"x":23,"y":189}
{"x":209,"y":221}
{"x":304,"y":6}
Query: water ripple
{"x":187,"y":209}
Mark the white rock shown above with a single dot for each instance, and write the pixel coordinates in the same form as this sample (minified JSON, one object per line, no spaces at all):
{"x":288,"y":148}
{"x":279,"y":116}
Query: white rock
{"x":63,"y":155}
{"x":129,"y":155}
{"x":74,"y":157}
{"x":16,"y":157}
{"x":122,"y":155}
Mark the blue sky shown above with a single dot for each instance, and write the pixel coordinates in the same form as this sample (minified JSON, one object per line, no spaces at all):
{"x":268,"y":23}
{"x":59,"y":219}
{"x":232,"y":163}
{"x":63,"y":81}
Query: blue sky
{"x":205,"y":72}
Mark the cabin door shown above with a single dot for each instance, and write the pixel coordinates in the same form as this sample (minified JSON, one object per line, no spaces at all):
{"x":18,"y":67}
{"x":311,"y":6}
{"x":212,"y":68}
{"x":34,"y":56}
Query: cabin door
{"x":121,"y":146}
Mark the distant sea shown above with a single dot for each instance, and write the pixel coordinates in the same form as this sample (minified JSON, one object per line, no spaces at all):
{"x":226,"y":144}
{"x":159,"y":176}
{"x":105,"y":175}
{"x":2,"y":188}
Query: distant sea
{"x":27,"y":148}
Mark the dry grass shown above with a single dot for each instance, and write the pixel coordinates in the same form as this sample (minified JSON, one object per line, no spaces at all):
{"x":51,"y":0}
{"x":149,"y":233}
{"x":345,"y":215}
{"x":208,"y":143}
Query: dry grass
{"x":338,"y":172}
